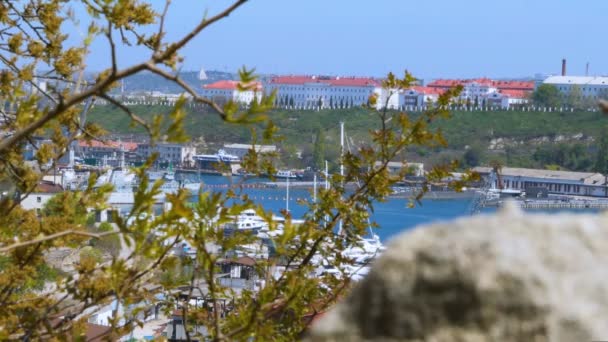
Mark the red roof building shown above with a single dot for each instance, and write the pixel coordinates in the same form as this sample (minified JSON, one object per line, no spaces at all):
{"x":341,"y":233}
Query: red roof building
{"x":227,"y":90}
{"x":230,"y":85}
{"x":428,"y":90}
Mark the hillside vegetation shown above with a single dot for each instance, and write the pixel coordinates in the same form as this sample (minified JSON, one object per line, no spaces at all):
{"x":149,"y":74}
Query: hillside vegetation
{"x":527,"y":139}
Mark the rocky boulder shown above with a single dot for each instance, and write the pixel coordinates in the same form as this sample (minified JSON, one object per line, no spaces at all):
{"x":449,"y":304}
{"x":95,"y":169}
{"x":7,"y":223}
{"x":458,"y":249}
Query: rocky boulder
{"x":504,"y":277}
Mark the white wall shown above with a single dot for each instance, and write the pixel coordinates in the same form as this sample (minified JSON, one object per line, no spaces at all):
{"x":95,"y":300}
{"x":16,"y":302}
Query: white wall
{"x":308,"y":94}
{"x":36,"y":200}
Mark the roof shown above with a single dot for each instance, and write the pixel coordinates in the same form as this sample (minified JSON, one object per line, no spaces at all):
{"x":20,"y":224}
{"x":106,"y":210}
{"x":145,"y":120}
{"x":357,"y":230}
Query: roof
{"x":247,"y":261}
{"x":129,"y":146}
{"x":587,"y":178}
{"x":98,"y":333}
{"x":515,"y":94}
{"x":47,"y":187}
{"x":327,"y":80}
{"x":501,"y":85}
{"x":427,"y":90}
{"x":578,"y":80}
{"x":231,"y":85}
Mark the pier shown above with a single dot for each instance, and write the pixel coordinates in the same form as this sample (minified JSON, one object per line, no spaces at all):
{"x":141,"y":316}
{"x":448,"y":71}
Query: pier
{"x":558,"y":204}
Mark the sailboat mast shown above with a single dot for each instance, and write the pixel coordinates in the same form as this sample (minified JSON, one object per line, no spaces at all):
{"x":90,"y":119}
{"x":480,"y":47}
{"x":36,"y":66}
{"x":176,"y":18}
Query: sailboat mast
{"x":314,"y":189}
{"x":326,"y":175}
{"x":287,"y":198}
{"x":341,"y":166}
{"x":341,"y":148}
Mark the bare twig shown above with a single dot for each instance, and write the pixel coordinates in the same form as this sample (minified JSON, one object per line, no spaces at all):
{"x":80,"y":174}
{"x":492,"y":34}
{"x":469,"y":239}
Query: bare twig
{"x":171,"y":49}
{"x":56,"y":236}
{"x":161,"y":27}
{"x":128,"y":111}
{"x":186,"y":87}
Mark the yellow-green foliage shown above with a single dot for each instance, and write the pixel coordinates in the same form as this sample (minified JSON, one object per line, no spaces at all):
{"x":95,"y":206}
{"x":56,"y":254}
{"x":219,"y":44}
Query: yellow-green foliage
{"x":32,"y":37}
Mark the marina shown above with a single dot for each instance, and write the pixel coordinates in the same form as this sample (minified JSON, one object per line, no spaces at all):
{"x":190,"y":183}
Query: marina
{"x":392,"y":216}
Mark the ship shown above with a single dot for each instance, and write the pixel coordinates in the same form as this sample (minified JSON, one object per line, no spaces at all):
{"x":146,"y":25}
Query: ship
{"x":218,"y":163}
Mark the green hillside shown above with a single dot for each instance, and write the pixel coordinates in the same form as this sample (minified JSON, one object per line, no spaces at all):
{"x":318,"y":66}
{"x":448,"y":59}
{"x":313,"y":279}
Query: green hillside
{"x":551,"y":131}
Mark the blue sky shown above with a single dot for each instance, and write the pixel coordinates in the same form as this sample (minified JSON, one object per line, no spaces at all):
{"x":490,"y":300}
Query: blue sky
{"x":431,"y":38}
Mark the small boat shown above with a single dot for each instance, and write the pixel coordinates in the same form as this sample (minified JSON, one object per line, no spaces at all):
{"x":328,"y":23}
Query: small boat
{"x":286,"y":174}
{"x":505,"y":193}
{"x":246,"y":221}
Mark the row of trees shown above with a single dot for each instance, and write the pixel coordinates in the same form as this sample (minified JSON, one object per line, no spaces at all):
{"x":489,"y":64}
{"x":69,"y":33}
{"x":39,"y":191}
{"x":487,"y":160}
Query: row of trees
{"x":288,"y":101}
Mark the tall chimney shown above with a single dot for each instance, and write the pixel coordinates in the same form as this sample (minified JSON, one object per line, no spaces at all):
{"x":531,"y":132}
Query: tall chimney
{"x":587,"y":69}
{"x":564,"y":67}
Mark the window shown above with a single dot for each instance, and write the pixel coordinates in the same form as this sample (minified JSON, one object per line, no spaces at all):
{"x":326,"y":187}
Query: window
{"x":39,"y":199}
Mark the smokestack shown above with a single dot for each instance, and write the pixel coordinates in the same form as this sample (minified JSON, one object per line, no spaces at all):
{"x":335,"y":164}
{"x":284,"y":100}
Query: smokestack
{"x":564,"y":67}
{"x":587,"y":69}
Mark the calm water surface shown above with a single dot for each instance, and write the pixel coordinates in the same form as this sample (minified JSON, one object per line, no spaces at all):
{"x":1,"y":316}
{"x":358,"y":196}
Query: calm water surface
{"x":392,"y":216}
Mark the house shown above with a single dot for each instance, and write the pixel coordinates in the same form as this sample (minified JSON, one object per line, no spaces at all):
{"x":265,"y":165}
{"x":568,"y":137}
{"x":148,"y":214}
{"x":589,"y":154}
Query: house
{"x":414,"y":169}
{"x":556,"y":182}
{"x":38,"y":198}
{"x":239,"y":273}
{"x":177,"y":154}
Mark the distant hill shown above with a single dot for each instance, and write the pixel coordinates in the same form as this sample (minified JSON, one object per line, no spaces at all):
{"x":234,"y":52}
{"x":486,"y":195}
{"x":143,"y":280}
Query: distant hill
{"x":147,"y":81}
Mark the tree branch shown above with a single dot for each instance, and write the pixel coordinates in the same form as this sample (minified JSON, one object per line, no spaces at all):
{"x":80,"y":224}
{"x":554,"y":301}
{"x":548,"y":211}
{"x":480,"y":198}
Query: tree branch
{"x":186,"y":87}
{"x":129,"y":112}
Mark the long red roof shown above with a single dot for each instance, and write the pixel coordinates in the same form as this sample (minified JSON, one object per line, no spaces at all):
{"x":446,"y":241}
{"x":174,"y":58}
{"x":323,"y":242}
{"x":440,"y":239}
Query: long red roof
{"x":501,"y":85}
{"x":228,"y":85}
{"x":332,"y":81}
{"x":515,"y":94}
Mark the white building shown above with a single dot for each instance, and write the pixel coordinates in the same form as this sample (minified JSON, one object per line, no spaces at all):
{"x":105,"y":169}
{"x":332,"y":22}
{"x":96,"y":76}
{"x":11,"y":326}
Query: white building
{"x":477,"y":89}
{"x":416,"y":96}
{"x":240,"y":150}
{"x":312,"y":92}
{"x":556,"y":182}
{"x":594,"y":87}
{"x":394,"y":167}
{"x":100,"y":149}
{"x":389,"y":98}
{"x":167,"y":152}
{"x":37,"y":199}
{"x":224,"y":91}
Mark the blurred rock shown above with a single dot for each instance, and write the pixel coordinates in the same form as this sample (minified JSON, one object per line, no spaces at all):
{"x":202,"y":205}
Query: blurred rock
{"x":504,"y":277}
